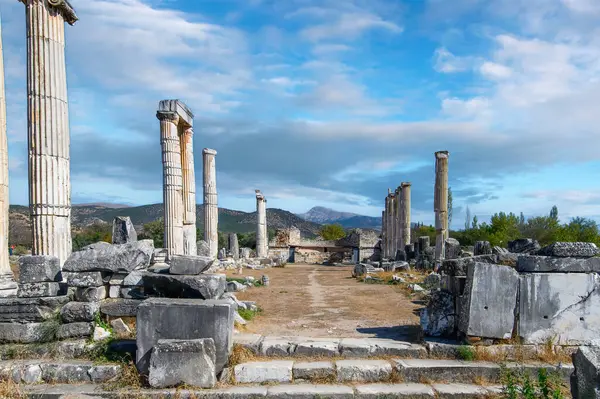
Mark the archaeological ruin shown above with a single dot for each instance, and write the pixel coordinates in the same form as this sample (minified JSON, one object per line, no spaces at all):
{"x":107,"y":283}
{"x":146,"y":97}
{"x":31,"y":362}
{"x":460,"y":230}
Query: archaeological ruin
{"x":126,"y":319}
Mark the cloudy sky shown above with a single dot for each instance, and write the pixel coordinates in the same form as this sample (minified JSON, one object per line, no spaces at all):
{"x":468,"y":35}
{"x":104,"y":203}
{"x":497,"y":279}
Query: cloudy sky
{"x":330,"y":102}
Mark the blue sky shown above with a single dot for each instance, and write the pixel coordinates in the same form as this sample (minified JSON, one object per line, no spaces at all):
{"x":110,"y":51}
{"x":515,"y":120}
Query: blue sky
{"x":330,"y":102}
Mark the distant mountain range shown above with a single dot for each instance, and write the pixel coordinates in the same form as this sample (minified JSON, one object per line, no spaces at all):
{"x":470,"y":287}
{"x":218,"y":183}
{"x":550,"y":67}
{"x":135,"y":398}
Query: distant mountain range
{"x":322,"y":215}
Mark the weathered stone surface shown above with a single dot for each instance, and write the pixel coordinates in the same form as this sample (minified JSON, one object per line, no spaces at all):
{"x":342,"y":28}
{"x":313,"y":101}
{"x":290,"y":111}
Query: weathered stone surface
{"x":104,"y":373}
{"x":452,"y":248}
{"x":32,"y":374}
{"x":64,"y":373}
{"x":523,"y":246}
{"x":234,"y":286}
{"x":487,"y":308}
{"x":363,"y":370}
{"x":74,"y":312}
{"x":497,"y":250}
{"x":306,"y":391}
{"x":424,"y":243}
{"x":262,"y":372}
{"x":38,"y":290}
{"x":245,"y":253}
{"x":191,"y":362}
{"x":367,"y":347}
{"x":75,"y":330}
{"x":183,"y":319}
{"x":87,"y":279}
{"x":564,"y":307}
{"x":531,"y":263}
{"x":91,"y":294}
{"x":105,"y":257}
{"x":134,"y":279}
{"x":133,"y":293}
{"x":39,"y":269}
{"x":100,"y":334}
{"x":361,"y":269}
{"x":123,"y":230}
{"x":460,"y":391}
{"x":23,"y":333}
{"x":410,"y":390}
{"x":432,"y":281}
{"x":482,"y":248}
{"x":22,"y":310}
{"x":585,"y":381}
{"x":234,"y":247}
{"x":570,"y":250}
{"x":119,"y":327}
{"x":438,"y":319}
{"x":400,"y":256}
{"x":191,"y":265}
{"x":120,"y":307}
{"x":249,"y":341}
{"x":415,"y":370}
{"x":203,"y":248}
{"x":203,"y":286}
{"x":313,"y":370}
{"x":114,"y":291}
{"x":318,"y":347}
{"x":276,"y":346}
{"x":458,"y":267}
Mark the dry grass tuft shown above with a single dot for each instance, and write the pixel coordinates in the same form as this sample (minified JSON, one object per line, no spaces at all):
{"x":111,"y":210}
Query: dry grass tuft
{"x":481,"y":380}
{"x":324,"y":379}
{"x":11,"y":390}
{"x":395,"y":377}
{"x":129,"y":378}
{"x":240,"y":354}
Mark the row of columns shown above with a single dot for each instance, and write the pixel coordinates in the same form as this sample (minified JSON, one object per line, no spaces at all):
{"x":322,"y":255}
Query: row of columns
{"x":396,"y":220}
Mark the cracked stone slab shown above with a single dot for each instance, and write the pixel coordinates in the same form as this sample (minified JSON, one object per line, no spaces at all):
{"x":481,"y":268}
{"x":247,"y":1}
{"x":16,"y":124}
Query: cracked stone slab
{"x":276,"y":346}
{"x":317,"y":347}
{"x":408,"y":390}
{"x":363,"y":370}
{"x":415,"y":370}
{"x":263,"y":372}
{"x":570,"y":249}
{"x":564,"y":307}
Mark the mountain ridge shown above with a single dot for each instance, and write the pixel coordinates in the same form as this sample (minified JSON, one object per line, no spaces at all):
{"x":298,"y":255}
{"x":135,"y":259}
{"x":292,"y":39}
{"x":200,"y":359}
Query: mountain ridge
{"x":323,"y":215}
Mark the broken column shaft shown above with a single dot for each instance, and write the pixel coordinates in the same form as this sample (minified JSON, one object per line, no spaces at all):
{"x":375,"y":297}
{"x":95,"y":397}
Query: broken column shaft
{"x":405,"y":214}
{"x":48,"y":127}
{"x":262,"y":238}
{"x":211,"y":210}
{"x":441,"y":205}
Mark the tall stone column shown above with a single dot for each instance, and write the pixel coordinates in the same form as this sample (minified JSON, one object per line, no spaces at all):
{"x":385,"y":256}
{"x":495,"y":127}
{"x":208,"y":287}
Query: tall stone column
{"x":48,"y":127}
{"x":8,"y":286}
{"x":172,"y":182}
{"x":405,"y":214}
{"x":189,"y":192}
{"x":441,"y":205}
{"x":211,"y":210}
{"x":383,"y":233}
{"x":390,"y":217}
{"x":398,"y":243}
{"x":385,"y":242}
{"x":262,"y":238}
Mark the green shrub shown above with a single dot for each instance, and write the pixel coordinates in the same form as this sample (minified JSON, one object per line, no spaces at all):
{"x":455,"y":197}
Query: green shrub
{"x":466,"y":352}
{"x":520,"y":384}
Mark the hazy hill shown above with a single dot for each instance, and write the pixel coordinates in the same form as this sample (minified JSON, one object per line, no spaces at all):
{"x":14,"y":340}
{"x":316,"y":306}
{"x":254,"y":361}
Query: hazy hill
{"x":323,"y":215}
{"x":230,"y":221}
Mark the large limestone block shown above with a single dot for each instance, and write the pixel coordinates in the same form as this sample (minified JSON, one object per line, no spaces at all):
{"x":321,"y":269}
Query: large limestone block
{"x":482,"y":248}
{"x":190,"y":265}
{"x":39,"y":269}
{"x":39,"y":290}
{"x":87,"y":279}
{"x":531,"y":264}
{"x":459,"y":267}
{"x":487,"y":307}
{"x":439,"y":317}
{"x":523,"y":246}
{"x":564,"y":307}
{"x":28,"y":310}
{"x":120,"y":307}
{"x":452,"y":248}
{"x":203,"y":286}
{"x":191,"y":362}
{"x":74,"y":312}
{"x":570,"y":249}
{"x":23,"y":333}
{"x":123,"y":230}
{"x":585,"y":381}
{"x":184,"y":319}
{"x":106,"y":257}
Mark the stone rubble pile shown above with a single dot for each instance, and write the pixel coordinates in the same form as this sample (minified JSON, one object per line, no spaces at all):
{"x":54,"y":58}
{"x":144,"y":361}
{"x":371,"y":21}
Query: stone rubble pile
{"x":552,"y":293}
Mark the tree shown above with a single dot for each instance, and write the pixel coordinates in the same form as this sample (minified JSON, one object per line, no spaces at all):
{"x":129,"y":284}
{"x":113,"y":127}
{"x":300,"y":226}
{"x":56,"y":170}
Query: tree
{"x":154,"y":231}
{"x":554,"y":213}
{"x":474,"y":224}
{"x":468,"y":219}
{"x":92,"y":234}
{"x":332,"y":232}
{"x":449,"y":206}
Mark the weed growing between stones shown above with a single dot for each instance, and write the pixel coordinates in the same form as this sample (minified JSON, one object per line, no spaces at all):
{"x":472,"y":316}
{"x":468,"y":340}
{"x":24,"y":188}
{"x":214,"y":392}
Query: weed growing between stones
{"x":11,"y":390}
{"x":248,"y":314}
{"x":466,"y":352}
{"x":100,"y":322}
{"x":49,"y":328}
{"x":519,"y":384}
{"x":239,"y":354}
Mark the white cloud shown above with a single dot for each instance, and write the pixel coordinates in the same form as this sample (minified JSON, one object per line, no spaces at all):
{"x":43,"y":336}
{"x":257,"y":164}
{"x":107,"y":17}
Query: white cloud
{"x":349,"y":26}
{"x":446,"y":62}
{"x":494,"y":70}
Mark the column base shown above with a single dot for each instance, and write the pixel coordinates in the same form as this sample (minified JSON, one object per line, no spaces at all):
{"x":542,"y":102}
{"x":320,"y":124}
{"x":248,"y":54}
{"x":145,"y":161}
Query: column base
{"x":8,"y":286}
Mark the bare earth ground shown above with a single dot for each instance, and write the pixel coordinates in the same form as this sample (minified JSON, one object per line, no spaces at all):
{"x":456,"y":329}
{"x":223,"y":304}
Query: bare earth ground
{"x":325,"y":301}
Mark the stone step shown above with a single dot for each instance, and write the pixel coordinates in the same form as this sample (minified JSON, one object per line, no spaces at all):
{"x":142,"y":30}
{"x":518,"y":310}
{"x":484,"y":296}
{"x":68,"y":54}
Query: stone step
{"x":272,"y":346}
{"x":57,"y":372}
{"x":370,"y":391}
{"x":382,"y":371}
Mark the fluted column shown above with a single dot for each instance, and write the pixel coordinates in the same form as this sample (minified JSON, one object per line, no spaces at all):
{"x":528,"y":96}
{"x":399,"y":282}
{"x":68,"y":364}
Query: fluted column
{"x":48,"y":127}
{"x":8,"y":286}
{"x":383,"y":233}
{"x":172,"y":182}
{"x":189,"y":192}
{"x":441,"y":205}
{"x":398,"y":239}
{"x":261,"y":228}
{"x":211,"y":210}
{"x":405,"y":214}
{"x":390,"y":230}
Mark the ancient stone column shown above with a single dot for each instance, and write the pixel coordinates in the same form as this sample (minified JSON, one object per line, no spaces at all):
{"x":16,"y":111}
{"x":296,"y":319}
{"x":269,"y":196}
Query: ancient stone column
{"x":390,"y":222}
{"x":385,"y":241}
{"x":211,"y":210}
{"x":8,"y":286}
{"x":405,"y":215}
{"x":383,"y":233}
{"x":441,"y":205}
{"x":234,"y":246}
{"x":398,"y":243}
{"x":172,"y":182}
{"x":189,"y":192}
{"x":262,"y":237}
{"x":48,"y":127}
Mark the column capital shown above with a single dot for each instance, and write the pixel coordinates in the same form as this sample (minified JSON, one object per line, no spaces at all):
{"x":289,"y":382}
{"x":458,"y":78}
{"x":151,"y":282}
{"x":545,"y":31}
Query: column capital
{"x":405,"y":184}
{"x":189,"y":131}
{"x":442,"y":154}
{"x":63,"y":6}
{"x":167,"y":116}
{"x":209,"y":151}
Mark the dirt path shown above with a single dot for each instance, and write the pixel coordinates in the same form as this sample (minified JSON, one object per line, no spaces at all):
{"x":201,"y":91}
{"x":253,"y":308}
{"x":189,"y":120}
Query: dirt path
{"x":325,"y":301}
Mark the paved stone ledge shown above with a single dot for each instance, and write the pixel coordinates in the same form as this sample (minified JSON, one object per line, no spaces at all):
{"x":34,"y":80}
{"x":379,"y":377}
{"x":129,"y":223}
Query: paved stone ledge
{"x":36,"y":371}
{"x":274,"y":346}
{"x":301,"y":391}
